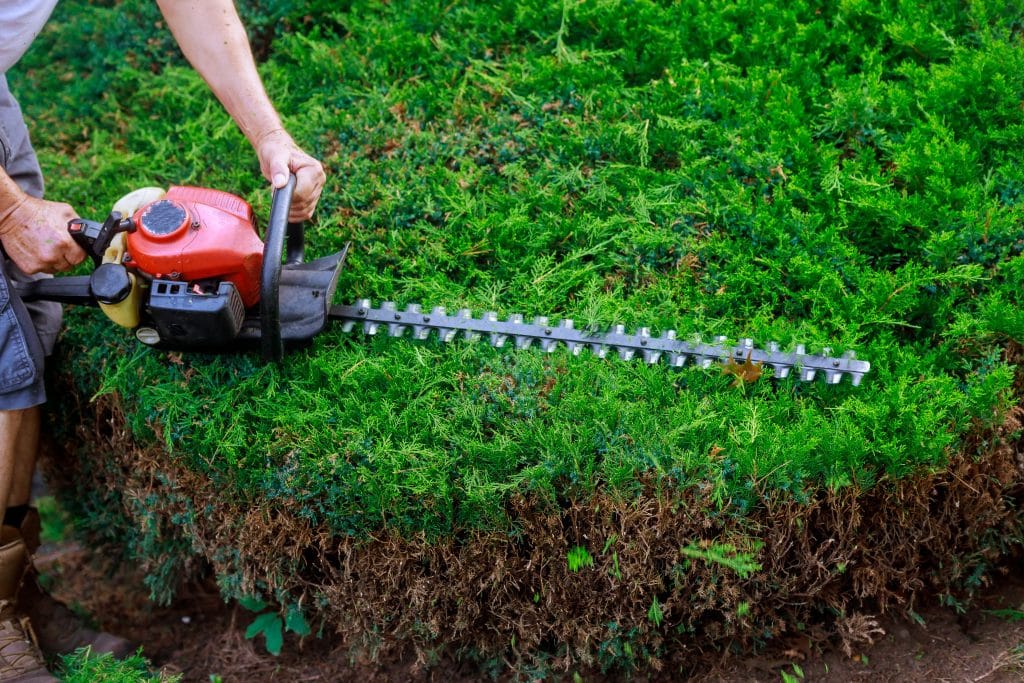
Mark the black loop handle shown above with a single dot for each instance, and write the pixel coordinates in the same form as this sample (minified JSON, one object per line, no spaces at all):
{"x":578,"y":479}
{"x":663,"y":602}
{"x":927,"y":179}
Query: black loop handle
{"x":278,"y":229}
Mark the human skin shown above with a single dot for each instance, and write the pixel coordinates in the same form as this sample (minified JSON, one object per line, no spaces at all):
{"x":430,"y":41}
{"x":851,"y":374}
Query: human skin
{"x":34,"y":231}
{"x":227,"y":65}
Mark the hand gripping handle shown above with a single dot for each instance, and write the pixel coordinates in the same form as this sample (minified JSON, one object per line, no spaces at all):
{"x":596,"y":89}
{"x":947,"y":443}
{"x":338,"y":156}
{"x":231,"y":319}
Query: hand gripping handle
{"x":279,"y":231}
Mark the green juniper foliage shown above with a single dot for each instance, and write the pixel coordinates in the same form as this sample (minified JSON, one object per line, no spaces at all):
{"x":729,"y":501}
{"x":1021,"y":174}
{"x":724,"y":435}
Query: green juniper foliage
{"x":85,"y":666}
{"x":839,"y":174}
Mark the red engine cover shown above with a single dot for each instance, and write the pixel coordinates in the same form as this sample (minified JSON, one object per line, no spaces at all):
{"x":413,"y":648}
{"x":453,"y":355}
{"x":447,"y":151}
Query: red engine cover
{"x":198,"y":234}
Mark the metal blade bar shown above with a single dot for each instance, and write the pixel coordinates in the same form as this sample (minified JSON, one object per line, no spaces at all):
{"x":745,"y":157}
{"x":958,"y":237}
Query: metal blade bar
{"x":677,"y":353}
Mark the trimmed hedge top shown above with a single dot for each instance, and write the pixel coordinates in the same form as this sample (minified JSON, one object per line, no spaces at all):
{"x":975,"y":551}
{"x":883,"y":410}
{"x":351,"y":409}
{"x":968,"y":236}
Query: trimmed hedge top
{"x":846,"y":175}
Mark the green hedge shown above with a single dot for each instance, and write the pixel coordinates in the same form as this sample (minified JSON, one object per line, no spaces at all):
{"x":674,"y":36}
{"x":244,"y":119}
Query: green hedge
{"x":838,"y":174}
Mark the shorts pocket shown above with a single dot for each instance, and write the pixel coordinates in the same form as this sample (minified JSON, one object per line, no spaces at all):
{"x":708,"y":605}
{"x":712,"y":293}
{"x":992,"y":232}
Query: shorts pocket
{"x":17,"y":368}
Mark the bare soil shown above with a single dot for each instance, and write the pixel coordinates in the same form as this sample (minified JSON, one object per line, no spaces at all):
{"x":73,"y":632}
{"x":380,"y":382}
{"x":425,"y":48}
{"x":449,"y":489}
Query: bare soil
{"x":200,"y":635}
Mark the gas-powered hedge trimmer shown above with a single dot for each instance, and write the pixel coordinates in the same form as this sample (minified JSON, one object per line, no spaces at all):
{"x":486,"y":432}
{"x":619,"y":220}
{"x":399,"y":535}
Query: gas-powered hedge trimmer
{"x":186,"y":269}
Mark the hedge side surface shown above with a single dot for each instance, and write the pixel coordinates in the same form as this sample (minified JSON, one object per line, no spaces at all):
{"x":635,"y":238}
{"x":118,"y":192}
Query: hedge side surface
{"x":835,"y":174}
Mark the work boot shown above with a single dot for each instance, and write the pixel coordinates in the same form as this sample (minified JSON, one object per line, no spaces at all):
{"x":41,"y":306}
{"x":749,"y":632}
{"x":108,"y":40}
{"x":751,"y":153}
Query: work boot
{"x":20,"y":659}
{"x":58,"y":630}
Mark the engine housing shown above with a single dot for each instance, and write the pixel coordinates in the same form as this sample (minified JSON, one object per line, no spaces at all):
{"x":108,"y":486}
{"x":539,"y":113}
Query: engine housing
{"x":193,"y":234}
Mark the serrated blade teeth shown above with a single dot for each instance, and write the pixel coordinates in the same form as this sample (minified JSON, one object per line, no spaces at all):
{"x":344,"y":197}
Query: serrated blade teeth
{"x":677,"y":360}
{"x":547,"y":343}
{"x":414,"y":314}
{"x":445,"y":334}
{"x":496,"y":339}
{"x":615,"y":339}
{"x":362,"y":308}
{"x":650,"y":356}
{"x":640,"y":344}
{"x":465,"y":314}
{"x":521,"y":341}
{"x":395,"y":329}
{"x":573,"y":346}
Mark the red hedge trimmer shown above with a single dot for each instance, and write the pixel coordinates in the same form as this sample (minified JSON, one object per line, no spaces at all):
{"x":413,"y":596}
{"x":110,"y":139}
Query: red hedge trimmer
{"x":186,"y":269}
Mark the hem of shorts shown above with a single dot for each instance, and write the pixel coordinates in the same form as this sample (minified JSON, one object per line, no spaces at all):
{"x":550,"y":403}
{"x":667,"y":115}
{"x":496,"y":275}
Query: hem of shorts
{"x":29,"y":397}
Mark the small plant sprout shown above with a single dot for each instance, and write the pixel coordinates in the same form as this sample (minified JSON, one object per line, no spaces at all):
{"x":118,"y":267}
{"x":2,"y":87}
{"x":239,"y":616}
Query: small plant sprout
{"x":725,"y":555}
{"x":578,"y":558}
{"x":795,"y":677}
{"x":655,"y":614}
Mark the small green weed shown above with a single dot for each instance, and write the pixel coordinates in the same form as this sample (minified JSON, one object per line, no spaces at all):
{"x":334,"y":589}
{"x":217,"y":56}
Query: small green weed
{"x":796,"y":676}
{"x":271,"y":626}
{"x":56,"y":523}
{"x":578,"y":558}
{"x":82,"y":666}
{"x":655,"y":613}
{"x":725,"y":555}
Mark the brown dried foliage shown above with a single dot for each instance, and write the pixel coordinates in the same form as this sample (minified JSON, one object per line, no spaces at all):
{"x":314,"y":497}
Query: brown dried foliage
{"x":850,"y":553}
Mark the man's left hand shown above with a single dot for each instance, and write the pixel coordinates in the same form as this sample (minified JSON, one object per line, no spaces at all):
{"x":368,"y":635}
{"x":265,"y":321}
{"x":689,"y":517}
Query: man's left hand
{"x":279,"y":156}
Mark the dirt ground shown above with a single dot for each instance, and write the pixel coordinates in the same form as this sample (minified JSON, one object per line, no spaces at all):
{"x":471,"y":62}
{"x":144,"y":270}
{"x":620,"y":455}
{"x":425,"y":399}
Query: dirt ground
{"x":199,"y":635}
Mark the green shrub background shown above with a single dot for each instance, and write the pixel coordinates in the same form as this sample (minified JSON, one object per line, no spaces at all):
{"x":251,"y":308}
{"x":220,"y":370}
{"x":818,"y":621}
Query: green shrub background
{"x":842,"y":174}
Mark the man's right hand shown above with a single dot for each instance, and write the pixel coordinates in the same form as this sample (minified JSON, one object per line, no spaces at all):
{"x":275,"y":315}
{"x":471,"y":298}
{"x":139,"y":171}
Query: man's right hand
{"x":34,"y":233}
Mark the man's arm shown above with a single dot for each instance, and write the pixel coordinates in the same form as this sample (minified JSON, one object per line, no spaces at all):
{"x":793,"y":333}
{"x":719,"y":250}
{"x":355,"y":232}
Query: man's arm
{"x":213,"y":40}
{"x":34,"y":231}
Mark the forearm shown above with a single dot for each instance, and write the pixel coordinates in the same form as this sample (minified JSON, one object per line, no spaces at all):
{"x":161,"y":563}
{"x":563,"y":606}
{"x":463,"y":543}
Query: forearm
{"x":11,"y":196}
{"x":34,"y":232}
{"x":213,"y":40}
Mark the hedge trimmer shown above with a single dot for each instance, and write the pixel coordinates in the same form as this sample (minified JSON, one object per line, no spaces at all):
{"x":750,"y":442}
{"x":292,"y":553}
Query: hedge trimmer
{"x":185,"y":269}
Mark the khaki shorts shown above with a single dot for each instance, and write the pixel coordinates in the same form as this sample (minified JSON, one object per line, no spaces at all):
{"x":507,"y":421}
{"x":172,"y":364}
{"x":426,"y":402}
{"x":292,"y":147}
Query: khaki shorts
{"x":27,"y":331}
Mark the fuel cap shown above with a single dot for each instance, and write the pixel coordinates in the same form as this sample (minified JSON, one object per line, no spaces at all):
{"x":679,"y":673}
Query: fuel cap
{"x":164,"y":218}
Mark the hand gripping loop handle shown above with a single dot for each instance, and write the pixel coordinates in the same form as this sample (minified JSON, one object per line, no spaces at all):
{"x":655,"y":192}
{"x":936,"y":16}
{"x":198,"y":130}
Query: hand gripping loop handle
{"x":278,"y":229}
